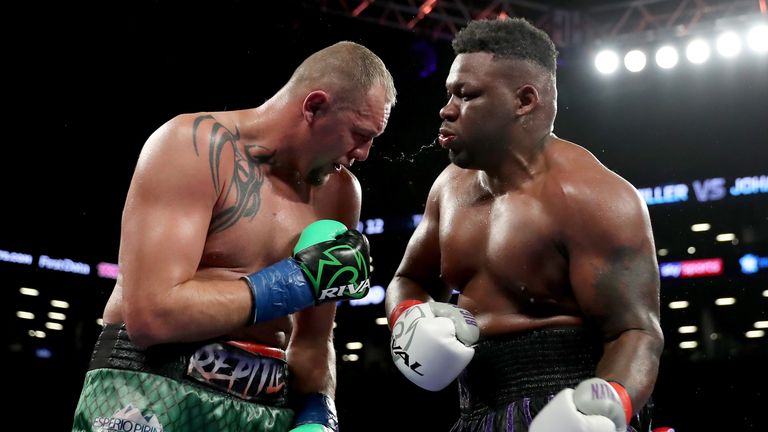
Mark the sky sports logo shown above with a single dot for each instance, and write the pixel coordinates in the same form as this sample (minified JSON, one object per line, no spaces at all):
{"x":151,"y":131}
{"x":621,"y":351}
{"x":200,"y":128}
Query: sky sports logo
{"x":692,"y":268}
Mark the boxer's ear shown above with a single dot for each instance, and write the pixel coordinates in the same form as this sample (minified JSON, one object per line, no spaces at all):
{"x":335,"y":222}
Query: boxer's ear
{"x":314,"y":103}
{"x":528,"y":99}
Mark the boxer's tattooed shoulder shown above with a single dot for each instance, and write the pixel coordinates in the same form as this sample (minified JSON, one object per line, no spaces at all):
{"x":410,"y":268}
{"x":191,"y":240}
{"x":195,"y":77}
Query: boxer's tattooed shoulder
{"x":244,"y":184}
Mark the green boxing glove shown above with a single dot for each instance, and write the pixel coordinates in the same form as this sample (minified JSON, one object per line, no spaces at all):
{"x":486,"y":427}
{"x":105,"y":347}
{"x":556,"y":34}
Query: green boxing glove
{"x":335,"y":261}
{"x":310,"y":428}
{"x":330,"y":263}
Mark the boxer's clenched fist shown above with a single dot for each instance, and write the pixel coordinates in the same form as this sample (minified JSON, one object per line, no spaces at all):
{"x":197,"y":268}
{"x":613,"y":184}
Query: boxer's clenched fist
{"x":432,"y":342}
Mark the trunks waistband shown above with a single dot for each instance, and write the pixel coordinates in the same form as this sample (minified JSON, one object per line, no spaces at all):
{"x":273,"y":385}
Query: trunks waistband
{"x":532,"y":364}
{"x":246,"y":370}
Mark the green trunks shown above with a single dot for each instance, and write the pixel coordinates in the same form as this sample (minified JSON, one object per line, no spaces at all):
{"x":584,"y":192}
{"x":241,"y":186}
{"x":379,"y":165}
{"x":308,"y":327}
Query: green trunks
{"x":216,"y":388}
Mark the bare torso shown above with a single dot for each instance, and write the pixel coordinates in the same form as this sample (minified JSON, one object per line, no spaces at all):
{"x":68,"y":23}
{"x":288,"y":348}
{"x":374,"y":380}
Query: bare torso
{"x":254,"y":241}
{"x":506,"y":254}
{"x":547,"y":239}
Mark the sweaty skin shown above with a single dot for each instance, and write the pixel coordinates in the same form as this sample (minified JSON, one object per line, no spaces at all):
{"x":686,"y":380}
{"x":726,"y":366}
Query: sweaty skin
{"x":216,"y":196}
{"x":532,"y":230}
{"x":508,"y":254}
{"x":257,"y":218}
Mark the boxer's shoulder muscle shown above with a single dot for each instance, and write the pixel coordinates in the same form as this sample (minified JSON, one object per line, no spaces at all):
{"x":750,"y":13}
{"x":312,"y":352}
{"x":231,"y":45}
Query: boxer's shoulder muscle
{"x":580,"y":189}
{"x":454,"y":187}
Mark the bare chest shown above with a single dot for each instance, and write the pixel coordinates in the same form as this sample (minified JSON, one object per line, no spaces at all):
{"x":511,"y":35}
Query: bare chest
{"x":507,"y":249}
{"x":257,"y":233}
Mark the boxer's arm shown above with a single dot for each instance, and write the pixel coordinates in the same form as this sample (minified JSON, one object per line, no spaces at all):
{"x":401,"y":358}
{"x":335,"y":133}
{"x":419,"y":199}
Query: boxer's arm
{"x":312,"y":366}
{"x":431,"y":342}
{"x":311,"y":356}
{"x":418,"y":275}
{"x":165,"y":224}
{"x":615,"y":279}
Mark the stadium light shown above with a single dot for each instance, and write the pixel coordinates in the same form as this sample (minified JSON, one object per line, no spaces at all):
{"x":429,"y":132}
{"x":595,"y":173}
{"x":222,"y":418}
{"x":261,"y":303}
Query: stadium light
{"x":29,"y":291}
{"x":667,"y":57}
{"x":701,"y":227}
{"x":606,"y":62}
{"x":25,"y":315}
{"x":635,"y":61}
{"x":725,"y":301}
{"x":725,"y":237}
{"x":728,"y":44}
{"x":697,"y":51}
{"x":728,"y":40}
{"x":757,"y":38}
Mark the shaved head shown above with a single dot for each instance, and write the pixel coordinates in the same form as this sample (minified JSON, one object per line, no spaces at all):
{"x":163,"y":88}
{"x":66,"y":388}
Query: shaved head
{"x":346,"y":69}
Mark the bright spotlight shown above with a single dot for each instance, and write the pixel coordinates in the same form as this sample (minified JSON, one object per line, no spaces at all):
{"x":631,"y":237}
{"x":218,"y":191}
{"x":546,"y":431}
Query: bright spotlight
{"x":667,"y":57}
{"x":725,"y":237}
{"x":606,"y":62}
{"x":728,"y":44}
{"x":701,"y":227}
{"x":757,"y":38}
{"x":680,"y":304}
{"x":725,"y":301}
{"x":635,"y":61}
{"x":697,"y":51}
{"x":688,"y":329}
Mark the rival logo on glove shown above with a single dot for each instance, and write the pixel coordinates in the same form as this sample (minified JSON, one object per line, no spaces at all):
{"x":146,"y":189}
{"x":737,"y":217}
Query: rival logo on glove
{"x":401,"y":332}
{"x":344,"y":266}
{"x":400,"y":352}
{"x":338,"y":292}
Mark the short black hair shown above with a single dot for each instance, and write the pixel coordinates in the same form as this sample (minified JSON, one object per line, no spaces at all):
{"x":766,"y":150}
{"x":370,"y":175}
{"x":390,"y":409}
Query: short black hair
{"x":509,"y":38}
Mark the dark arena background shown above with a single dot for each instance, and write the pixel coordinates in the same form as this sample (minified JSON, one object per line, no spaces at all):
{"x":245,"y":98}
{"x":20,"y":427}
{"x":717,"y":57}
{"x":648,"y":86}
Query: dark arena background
{"x":85,"y":86}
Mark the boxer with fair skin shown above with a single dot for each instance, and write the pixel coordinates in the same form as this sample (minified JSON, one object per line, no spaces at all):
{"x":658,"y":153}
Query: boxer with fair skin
{"x":552,"y":254}
{"x":214,"y":212}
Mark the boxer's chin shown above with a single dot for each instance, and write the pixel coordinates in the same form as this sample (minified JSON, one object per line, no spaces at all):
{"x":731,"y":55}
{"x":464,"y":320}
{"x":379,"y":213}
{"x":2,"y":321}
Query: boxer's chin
{"x":318,"y":176}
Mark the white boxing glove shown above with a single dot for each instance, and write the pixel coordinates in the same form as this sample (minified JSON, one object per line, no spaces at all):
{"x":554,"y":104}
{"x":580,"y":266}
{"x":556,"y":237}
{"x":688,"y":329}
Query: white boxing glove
{"x":432,"y":342}
{"x":593,"y":406}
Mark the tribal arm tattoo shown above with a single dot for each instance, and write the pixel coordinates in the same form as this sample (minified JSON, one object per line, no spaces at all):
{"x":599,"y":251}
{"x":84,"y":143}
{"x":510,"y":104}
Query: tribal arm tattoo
{"x":247,"y":175}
